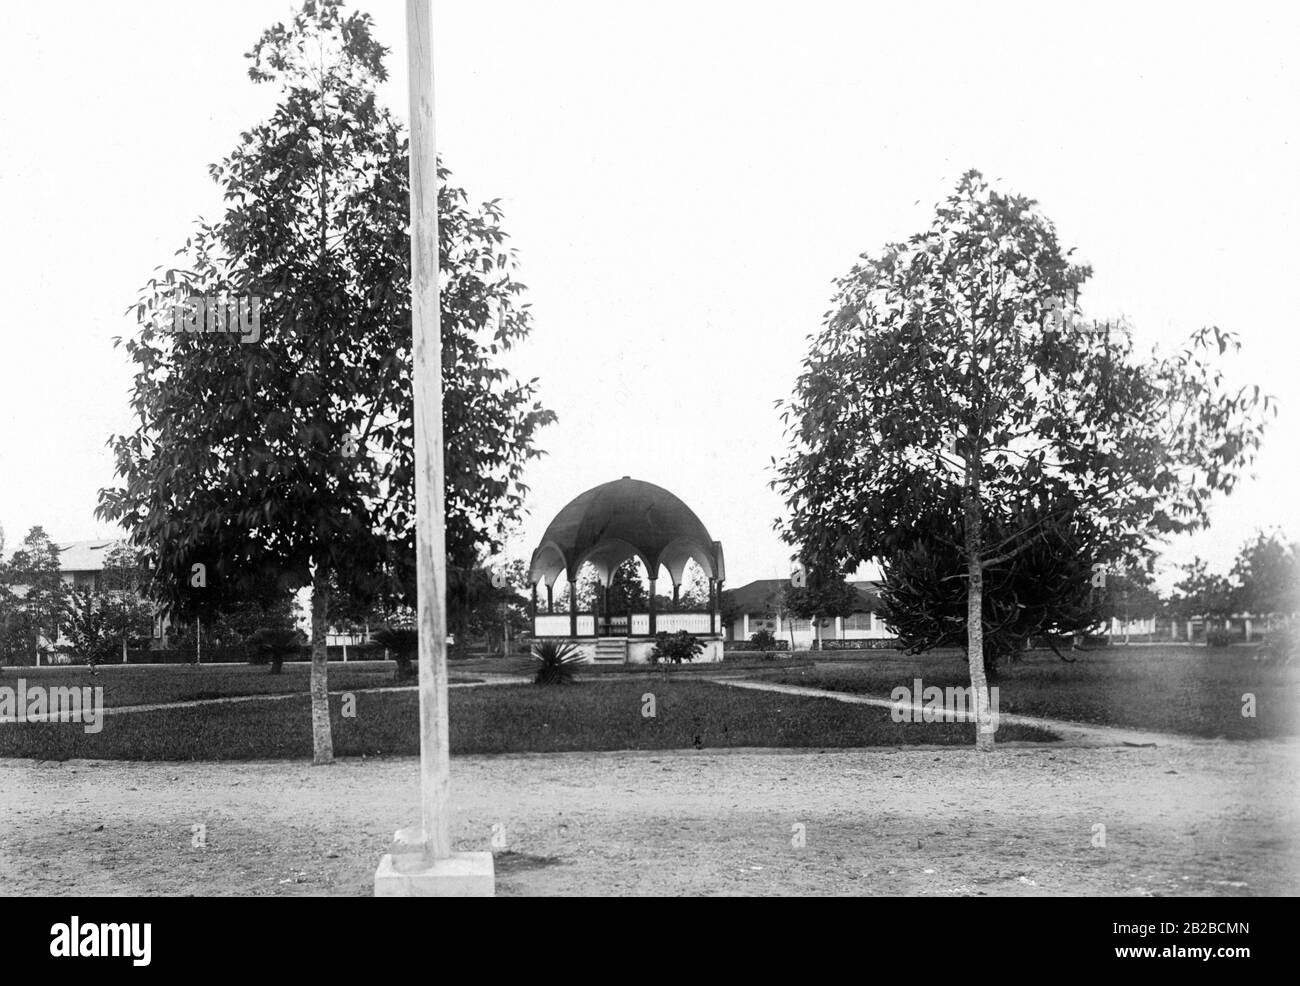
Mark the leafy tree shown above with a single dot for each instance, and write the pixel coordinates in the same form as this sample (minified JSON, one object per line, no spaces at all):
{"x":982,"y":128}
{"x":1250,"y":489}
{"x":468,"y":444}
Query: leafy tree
{"x":102,"y":624}
{"x":692,"y":593}
{"x":727,"y":606}
{"x":121,"y":591}
{"x":1043,"y":590}
{"x":478,"y":607}
{"x":87,"y":627}
{"x":1127,"y":594}
{"x":403,"y":643}
{"x":1267,"y":574}
{"x":944,"y":365}
{"x":822,"y":596}
{"x":1202,"y":593}
{"x":510,"y":615}
{"x":34,"y":599}
{"x":289,"y":460}
{"x":626,"y":590}
{"x":236,"y":623}
{"x":274,"y":644}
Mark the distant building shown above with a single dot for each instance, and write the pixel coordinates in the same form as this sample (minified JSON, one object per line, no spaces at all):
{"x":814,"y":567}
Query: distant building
{"x":81,"y":566}
{"x":757,"y":607}
{"x":81,"y":563}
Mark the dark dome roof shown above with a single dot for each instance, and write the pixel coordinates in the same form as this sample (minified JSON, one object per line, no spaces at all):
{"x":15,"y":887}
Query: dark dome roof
{"x":623,"y":519}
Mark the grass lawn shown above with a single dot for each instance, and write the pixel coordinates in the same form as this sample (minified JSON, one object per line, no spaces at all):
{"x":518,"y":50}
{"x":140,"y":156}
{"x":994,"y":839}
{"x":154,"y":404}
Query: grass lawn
{"x":592,"y":715}
{"x":1196,"y":691}
{"x":127,"y":685}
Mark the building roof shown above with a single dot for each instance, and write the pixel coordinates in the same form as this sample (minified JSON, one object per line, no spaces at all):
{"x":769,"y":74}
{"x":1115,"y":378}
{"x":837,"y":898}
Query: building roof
{"x":623,"y":519}
{"x":84,"y":556}
{"x":760,"y":595}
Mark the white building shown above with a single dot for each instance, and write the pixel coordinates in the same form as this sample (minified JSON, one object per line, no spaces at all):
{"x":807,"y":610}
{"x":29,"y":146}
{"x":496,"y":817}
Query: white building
{"x":758,"y":605}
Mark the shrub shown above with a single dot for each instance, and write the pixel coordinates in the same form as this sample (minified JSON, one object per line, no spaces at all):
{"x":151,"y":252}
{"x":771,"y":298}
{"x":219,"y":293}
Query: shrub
{"x":748,"y":648}
{"x":274,"y":645}
{"x":764,"y":640}
{"x":404,"y":644}
{"x":1282,"y":644}
{"x":674,"y":648}
{"x":1219,"y":638}
{"x":554,"y":663}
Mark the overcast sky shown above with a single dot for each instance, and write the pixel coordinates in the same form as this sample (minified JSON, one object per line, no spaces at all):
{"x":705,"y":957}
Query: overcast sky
{"x":683,"y":182}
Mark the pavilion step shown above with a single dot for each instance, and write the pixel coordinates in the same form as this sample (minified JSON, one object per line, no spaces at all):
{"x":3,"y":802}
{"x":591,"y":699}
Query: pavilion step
{"x":611,"y":650}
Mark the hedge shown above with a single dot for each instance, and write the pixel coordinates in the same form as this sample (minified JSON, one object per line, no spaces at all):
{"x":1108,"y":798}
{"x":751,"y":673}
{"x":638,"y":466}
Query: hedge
{"x":745,"y":645}
{"x":214,"y":655}
{"x":871,"y":643}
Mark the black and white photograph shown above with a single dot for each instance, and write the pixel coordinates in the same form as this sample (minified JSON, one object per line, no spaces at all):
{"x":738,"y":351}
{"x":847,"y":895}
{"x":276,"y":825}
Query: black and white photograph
{"x":690,"y":449}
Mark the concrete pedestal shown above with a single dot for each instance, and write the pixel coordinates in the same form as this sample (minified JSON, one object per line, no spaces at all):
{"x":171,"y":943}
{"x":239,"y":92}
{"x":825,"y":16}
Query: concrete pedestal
{"x":407,"y":872}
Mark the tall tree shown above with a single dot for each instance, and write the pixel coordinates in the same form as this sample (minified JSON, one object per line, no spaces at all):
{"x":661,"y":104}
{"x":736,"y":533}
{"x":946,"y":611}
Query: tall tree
{"x":285,"y":455}
{"x":823,"y":595}
{"x":35,"y":597}
{"x":1267,"y":575}
{"x":1202,"y":593}
{"x":959,"y":360}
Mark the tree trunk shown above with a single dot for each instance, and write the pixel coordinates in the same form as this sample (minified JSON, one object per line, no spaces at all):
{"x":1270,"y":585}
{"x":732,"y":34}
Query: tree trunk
{"x":975,"y":613}
{"x":321,"y":740}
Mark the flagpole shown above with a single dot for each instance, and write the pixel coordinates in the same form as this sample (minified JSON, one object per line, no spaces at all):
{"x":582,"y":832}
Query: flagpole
{"x":422,"y":863}
{"x":430,"y":522}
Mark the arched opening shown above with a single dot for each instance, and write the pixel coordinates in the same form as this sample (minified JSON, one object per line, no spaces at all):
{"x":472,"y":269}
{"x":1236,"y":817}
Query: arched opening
{"x":627,"y":560}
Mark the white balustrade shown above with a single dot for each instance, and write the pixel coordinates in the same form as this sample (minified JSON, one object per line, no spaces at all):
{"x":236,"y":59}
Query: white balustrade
{"x":690,"y":622}
{"x":551,"y":625}
{"x":557,"y":624}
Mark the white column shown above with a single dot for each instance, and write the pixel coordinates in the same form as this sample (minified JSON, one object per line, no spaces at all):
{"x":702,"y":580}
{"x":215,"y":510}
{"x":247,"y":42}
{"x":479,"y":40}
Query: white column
{"x":430,"y":520}
{"x":745,"y":618}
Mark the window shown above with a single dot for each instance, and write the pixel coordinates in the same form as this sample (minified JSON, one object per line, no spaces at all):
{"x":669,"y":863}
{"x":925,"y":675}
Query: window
{"x":860,"y":621}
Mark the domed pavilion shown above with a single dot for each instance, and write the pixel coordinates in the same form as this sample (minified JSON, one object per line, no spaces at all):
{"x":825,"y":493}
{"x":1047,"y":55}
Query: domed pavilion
{"x":606,"y":526}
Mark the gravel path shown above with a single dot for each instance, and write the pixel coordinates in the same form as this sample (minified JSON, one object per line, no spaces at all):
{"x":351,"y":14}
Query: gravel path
{"x":1200,"y":817}
{"x":1070,"y":732}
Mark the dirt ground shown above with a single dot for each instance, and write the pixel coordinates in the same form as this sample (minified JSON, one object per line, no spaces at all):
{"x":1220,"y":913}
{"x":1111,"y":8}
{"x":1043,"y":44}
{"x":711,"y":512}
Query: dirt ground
{"x":1188,"y":818}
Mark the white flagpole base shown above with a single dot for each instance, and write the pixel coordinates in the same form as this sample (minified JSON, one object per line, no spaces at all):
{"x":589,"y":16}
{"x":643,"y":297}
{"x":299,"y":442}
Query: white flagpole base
{"x":462,"y":874}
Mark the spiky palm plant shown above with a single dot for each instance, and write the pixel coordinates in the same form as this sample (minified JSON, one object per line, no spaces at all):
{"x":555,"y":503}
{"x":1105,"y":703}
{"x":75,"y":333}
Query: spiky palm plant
{"x":554,"y":663}
{"x":275,"y":644}
{"x":404,"y":644}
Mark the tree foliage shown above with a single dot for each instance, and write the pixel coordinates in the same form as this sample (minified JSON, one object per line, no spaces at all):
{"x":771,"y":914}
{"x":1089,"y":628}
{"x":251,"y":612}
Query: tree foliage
{"x":1043,"y":590}
{"x":33,"y":598}
{"x":944,"y":368}
{"x":1266,"y":575}
{"x":103,"y":620}
{"x":290,"y":460}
